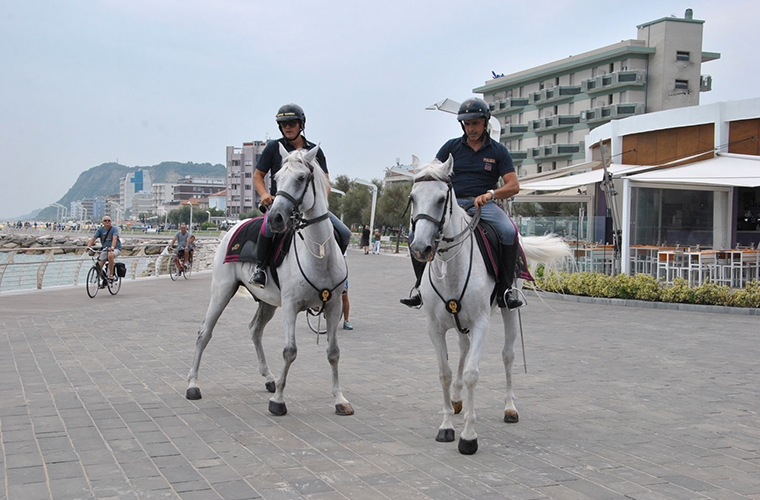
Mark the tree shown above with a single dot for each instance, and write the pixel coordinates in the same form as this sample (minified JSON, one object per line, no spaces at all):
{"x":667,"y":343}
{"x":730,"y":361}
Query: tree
{"x":182,"y":215}
{"x":392,"y":204}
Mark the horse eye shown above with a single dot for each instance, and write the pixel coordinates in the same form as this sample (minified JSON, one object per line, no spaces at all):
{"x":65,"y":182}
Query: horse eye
{"x":441,"y":200}
{"x":301,"y":177}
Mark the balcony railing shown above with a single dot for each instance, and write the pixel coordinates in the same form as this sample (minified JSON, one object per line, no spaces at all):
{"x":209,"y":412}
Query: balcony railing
{"x":605,"y":83}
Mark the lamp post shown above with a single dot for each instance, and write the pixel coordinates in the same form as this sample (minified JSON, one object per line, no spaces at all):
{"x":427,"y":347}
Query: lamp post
{"x":209,"y":215}
{"x":191,"y":214}
{"x":373,"y":188}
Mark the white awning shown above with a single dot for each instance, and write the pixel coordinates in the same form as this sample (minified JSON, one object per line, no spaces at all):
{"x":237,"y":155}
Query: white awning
{"x":577,"y":180}
{"x":733,"y":170}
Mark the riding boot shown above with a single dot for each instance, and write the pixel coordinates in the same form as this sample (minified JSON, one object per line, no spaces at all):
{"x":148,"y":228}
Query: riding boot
{"x":259,"y":276}
{"x":416,"y":299}
{"x":505,"y":295}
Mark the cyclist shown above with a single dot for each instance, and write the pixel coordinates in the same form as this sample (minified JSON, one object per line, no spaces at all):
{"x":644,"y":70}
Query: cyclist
{"x":110,"y":247}
{"x":182,"y":238}
{"x":190,"y":248}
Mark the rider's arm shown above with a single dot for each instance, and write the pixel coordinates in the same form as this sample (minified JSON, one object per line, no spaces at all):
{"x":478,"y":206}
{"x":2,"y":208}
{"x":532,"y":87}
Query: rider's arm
{"x":510,"y":188}
{"x":259,"y":183}
{"x":114,"y":239}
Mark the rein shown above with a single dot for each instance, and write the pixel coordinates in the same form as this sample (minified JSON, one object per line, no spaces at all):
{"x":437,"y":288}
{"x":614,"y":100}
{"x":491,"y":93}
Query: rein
{"x":299,"y":223}
{"x":453,"y":306}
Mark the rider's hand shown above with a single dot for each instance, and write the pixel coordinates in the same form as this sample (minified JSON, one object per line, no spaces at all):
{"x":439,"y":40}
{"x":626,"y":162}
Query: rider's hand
{"x":267,"y":200}
{"x":482,"y":199}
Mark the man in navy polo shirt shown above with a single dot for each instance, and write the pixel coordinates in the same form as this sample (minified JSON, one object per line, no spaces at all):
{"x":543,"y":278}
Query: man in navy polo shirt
{"x":479,"y":163}
{"x":291,"y":121}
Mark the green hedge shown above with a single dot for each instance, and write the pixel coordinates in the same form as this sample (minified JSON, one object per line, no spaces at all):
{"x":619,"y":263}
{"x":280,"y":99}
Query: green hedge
{"x":646,"y":287}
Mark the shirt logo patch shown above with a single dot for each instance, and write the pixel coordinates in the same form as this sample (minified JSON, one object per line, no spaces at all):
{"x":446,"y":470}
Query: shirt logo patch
{"x":489,"y":160}
{"x":488,"y":167}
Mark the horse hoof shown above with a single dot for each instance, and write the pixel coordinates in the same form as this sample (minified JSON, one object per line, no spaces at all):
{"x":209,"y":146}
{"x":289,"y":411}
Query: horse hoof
{"x":511,"y":416}
{"x":468,"y":447}
{"x":278,"y":409}
{"x":193,"y":393}
{"x":344,"y":409}
{"x":270,"y":386}
{"x":445,"y":435}
{"x":457,"y":405}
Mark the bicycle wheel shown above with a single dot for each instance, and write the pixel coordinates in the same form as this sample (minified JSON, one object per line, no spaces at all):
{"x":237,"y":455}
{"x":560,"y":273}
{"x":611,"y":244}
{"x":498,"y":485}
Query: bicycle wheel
{"x":316,"y":321}
{"x":93,"y":281}
{"x":174,"y":271}
{"x":188,"y":270}
{"x":115,"y":285}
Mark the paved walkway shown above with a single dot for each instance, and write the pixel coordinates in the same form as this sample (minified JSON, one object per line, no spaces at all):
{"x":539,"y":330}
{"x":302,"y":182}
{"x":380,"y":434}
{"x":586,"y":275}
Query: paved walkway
{"x":618,"y":402}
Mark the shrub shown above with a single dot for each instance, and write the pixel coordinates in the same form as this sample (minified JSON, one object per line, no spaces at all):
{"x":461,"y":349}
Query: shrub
{"x":646,"y":287}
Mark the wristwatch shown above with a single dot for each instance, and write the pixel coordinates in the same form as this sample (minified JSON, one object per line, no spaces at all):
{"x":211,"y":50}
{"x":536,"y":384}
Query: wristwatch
{"x":493,"y":194}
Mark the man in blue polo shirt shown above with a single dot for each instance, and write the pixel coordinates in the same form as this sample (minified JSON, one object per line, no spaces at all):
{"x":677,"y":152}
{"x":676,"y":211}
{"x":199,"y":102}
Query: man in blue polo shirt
{"x":479,"y":163}
{"x":291,"y":121}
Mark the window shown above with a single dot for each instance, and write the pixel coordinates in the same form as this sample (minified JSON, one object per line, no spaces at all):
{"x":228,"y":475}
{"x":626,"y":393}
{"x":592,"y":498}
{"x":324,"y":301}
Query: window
{"x":682,"y":55}
{"x":624,"y":65}
{"x":682,"y":84}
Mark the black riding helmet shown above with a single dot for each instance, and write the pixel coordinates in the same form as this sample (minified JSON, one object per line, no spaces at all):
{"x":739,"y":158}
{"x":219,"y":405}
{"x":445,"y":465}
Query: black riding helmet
{"x":474,"y":108}
{"x":289,"y":112}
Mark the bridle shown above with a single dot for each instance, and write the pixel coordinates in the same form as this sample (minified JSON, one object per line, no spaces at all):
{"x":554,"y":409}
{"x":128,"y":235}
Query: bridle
{"x":453,"y":306}
{"x":449,"y":203}
{"x":300,"y":223}
{"x":296,"y":215}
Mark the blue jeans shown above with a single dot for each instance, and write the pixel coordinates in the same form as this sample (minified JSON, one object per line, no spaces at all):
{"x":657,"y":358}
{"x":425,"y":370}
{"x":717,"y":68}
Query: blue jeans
{"x":494,"y":215}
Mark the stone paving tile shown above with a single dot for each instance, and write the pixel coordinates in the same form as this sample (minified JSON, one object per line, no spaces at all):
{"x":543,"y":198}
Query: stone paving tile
{"x":617,"y":402}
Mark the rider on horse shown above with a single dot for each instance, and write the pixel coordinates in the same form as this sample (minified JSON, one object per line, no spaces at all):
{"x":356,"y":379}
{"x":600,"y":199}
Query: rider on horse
{"x":479,"y":163}
{"x":292,"y":121}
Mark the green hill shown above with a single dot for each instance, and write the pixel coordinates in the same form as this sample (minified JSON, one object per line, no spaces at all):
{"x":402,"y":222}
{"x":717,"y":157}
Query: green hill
{"x":104,"y":180}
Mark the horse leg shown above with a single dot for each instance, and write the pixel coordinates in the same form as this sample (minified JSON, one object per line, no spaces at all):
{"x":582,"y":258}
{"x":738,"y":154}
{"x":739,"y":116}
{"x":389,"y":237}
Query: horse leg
{"x":468,"y":440}
{"x":289,"y":353}
{"x":438,"y":337}
{"x":263,"y":315}
{"x":456,"y":393}
{"x":221,"y":293}
{"x":333,"y":316}
{"x":511,"y":328}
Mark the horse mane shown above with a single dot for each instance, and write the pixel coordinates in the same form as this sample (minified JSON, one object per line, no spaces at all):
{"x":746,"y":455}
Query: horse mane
{"x":298,"y":157}
{"x":434,"y":170}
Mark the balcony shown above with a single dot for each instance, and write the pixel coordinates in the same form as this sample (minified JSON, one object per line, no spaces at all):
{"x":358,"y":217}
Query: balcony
{"x":518,"y":156}
{"x":554,"y":123}
{"x":556,"y":151}
{"x":559,"y":93}
{"x":513,"y":129}
{"x":606,"y":83}
{"x":596,"y":116}
{"x":627,"y":109}
{"x":705,"y":83}
{"x":508,"y":105}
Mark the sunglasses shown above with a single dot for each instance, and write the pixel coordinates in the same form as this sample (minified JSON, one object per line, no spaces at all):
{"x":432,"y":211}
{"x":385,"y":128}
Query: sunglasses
{"x":106,"y":220}
{"x":290,"y":123}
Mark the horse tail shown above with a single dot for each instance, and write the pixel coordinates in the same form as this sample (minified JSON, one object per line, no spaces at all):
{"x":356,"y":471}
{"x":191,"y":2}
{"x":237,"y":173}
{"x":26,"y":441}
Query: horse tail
{"x":549,"y":249}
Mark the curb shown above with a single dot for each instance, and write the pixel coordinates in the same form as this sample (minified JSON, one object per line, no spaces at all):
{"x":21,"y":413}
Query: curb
{"x":671,"y":306}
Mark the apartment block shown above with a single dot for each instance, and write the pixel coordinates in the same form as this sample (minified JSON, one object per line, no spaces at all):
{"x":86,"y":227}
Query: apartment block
{"x":545,"y":112}
{"x":241,"y":162}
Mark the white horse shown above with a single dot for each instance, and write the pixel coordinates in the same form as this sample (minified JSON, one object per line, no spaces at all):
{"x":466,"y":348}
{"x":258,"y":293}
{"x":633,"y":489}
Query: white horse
{"x":312,"y":275}
{"x":456,"y":292}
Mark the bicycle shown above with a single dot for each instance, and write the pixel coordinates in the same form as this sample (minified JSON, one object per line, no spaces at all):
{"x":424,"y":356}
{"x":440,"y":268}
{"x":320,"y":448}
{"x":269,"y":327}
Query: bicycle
{"x":96,"y":276}
{"x":180,"y":267}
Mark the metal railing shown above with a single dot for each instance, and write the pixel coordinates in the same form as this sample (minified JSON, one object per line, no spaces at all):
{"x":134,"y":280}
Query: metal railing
{"x":43,"y":267}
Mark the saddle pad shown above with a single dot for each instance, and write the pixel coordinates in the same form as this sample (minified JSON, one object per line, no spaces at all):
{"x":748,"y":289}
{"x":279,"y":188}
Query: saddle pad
{"x":248,"y":232}
{"x":490,"y":249}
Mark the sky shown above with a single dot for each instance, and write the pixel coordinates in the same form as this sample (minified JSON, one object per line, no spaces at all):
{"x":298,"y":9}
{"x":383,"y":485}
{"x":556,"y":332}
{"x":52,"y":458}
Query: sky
{"x":85,"y":82}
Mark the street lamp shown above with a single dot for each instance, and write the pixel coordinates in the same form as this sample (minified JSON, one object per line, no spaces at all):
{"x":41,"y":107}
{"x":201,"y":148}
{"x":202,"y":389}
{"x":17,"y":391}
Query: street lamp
{"x":373,"y":188}
{"x":209,"y":215}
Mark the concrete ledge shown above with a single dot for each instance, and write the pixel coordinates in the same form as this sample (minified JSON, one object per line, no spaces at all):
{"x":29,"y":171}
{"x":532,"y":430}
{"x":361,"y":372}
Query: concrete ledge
{"x":672,"y":306}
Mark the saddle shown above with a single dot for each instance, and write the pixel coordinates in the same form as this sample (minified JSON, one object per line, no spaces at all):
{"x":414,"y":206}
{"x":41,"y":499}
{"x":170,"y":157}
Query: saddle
{"x":490,"y":250}
{"x":242,"y":246}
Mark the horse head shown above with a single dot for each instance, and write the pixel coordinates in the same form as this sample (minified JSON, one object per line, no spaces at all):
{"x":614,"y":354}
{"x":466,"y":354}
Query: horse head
{"x":297,"y":191}
{"x":432,"y":201}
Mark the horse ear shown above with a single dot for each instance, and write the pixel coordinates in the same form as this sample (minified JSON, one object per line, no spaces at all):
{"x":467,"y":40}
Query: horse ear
{"x":415,"y":163}
{"x":448,"y":166}
{"x":312,"y":153}
{"x":283,"y":152}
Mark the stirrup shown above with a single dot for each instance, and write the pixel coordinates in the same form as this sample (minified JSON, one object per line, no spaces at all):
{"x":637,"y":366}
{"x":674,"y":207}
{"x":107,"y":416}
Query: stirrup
{"x":414,"y":301}
{"x":514,"y":303}
{"x":258,"y":278}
